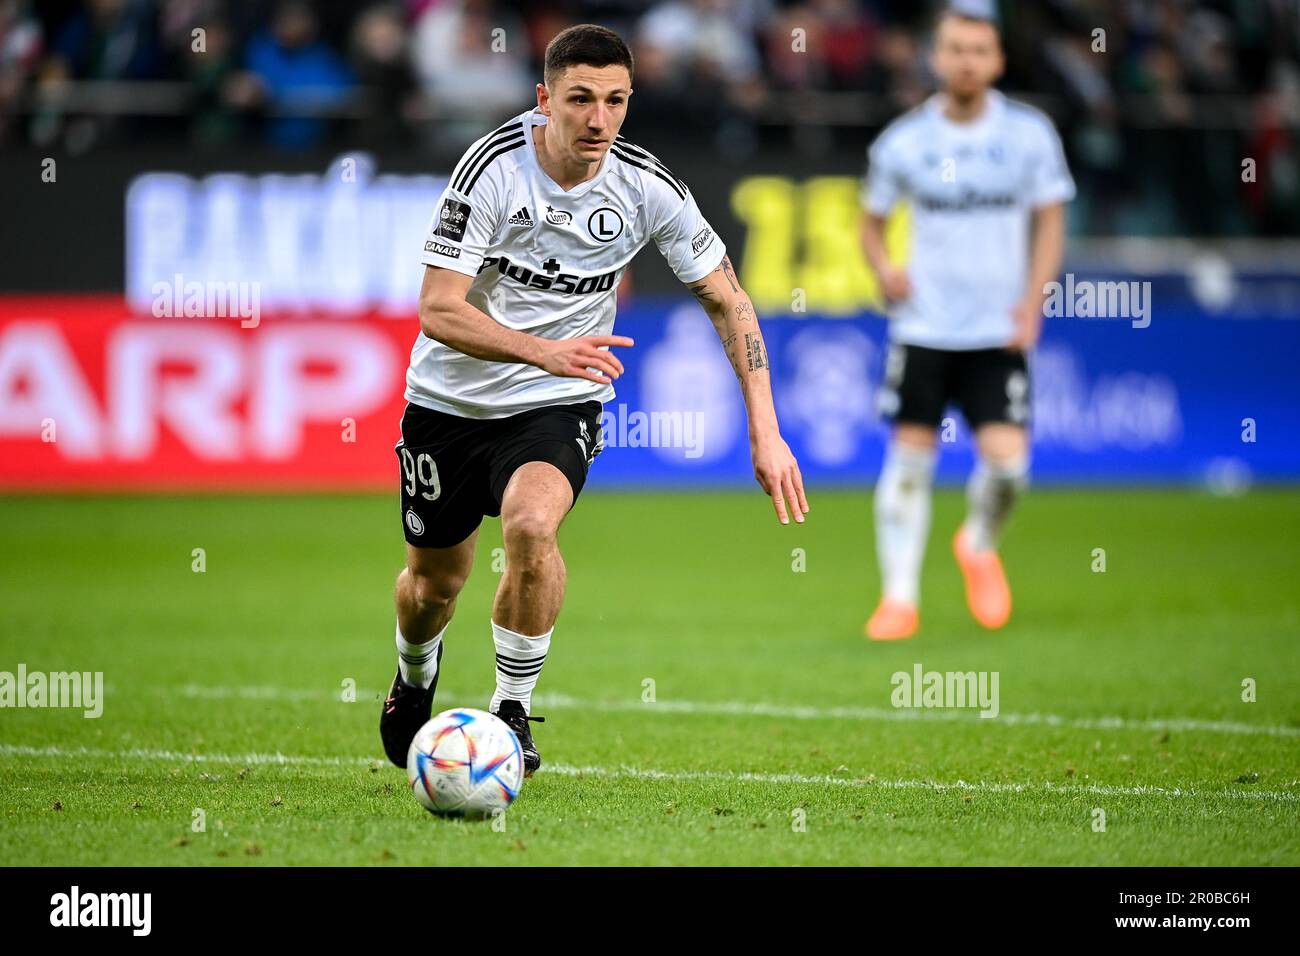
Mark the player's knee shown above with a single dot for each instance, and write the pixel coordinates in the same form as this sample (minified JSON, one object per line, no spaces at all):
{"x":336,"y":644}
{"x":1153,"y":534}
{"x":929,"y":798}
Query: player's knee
{"x":436,"y":591}
{"x":529,"y":535}
{"x":913,"y":436}
{"x":1004,"y":445}
{"x":1009,"y":476}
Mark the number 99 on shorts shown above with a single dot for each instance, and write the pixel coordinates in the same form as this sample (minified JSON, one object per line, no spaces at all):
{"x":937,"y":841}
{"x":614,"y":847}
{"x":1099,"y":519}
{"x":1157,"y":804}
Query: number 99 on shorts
{"x":421,"y":475}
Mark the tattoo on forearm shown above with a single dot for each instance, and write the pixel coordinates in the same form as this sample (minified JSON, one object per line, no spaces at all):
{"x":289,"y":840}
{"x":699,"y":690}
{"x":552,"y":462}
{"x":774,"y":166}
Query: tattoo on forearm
{"x":701,"y":292}
{"x":744,"y":312}
{"x":730,"y":273}
{"x":729,"y":346}
{"x":754,"y":351}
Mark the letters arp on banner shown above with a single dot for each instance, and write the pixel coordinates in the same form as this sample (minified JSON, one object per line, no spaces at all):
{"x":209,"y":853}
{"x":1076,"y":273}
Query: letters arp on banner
{"x":96,"y":397}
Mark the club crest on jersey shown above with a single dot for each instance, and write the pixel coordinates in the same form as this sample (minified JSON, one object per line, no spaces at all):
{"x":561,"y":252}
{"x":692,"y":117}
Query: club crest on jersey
{"x":521,"y":218}
{"x":558,"y":217}
{"x":452,"y":219}
{"x":605,"y":224}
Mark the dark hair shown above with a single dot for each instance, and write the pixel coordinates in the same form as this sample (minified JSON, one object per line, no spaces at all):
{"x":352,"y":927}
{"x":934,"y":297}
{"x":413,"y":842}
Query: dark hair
{"x":585,"y":45}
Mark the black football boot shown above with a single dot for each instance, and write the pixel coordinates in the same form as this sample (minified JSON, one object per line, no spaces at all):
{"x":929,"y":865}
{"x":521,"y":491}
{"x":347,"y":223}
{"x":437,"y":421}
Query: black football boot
{"x":406,"y":710}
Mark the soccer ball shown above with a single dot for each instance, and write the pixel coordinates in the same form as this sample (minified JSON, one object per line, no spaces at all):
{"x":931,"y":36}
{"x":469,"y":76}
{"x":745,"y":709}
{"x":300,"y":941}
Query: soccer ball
{"x":465,"y":763}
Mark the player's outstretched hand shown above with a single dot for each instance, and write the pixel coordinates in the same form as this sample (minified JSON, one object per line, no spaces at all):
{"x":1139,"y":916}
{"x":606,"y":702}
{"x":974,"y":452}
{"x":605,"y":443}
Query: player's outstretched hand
{"x":895,"y":284}
{"x":584,"y":357}
{"x":1028,"y":318}
{"x":778,"y":473}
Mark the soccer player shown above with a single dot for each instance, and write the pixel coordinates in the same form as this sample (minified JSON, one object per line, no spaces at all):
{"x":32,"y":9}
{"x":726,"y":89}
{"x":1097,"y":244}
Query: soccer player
{"x":507,"y":380}
{"x":987,"y":183}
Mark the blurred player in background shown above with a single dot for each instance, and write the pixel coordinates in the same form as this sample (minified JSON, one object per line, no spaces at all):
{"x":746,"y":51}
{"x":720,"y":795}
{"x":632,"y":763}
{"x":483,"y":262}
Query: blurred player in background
{"x":987,"y":182}
{"x":506,"y":383}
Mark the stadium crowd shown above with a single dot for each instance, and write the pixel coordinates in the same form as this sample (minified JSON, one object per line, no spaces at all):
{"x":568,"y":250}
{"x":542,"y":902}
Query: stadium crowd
{"x":1160,"y":102}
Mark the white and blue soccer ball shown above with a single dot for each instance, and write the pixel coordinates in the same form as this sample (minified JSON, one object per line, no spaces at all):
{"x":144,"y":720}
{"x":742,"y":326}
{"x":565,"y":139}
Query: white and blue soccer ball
{"x":465,"y":763}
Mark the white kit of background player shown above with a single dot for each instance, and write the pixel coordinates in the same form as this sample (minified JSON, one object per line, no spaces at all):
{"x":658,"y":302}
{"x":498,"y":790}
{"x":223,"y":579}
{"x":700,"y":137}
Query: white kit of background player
{"x":987,"y":181}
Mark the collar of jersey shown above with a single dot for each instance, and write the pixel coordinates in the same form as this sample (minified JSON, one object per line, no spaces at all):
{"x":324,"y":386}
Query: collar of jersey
{"x":992,"y":108}
{"x":535,"y":118}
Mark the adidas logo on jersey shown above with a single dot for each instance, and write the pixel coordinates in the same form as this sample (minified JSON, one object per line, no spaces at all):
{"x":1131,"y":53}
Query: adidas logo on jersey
{"x":521,"y":218}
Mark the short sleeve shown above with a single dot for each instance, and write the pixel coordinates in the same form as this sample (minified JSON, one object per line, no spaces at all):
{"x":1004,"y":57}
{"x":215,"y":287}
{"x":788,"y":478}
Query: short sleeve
{"x":1049,"y":176}
{"x":883,"y":185}
{"x":683,"y":236}
{"x":462,"y":227}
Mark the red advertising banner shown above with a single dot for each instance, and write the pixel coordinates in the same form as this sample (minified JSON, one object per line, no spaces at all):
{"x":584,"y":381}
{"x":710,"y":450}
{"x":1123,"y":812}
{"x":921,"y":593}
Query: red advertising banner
{"x":95,"y":397}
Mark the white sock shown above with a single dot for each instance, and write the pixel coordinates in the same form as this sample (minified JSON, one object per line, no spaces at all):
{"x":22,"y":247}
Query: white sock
{"x":418,"y":663}
{"x":519,"y":664}
{"x":903,"y":519}
{"x":991,"y":493}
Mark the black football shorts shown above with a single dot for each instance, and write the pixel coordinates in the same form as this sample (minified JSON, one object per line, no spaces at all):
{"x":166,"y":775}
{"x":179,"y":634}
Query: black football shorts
{"x":454,"y":470}
{"x":988,"y":385}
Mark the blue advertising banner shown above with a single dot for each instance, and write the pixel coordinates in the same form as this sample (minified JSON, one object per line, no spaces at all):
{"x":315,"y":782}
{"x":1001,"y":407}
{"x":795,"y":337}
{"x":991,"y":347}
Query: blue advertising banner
{"x":1179,"y":396}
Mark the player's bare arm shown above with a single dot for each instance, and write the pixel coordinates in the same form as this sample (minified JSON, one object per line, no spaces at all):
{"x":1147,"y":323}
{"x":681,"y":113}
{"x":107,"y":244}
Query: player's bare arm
{"x":1046,"y":254}
{"x":732,"y":314}
{"x":448,"y":318}
{"x":894,"y":283}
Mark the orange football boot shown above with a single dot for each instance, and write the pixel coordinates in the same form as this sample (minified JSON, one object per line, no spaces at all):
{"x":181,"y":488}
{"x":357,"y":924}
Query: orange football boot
{"x":893,"y":621}
{"x":987,"y":594}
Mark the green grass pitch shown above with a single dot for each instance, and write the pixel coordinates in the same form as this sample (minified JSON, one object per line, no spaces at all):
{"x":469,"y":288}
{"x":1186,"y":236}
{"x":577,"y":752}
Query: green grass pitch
{"x":771,"y":738}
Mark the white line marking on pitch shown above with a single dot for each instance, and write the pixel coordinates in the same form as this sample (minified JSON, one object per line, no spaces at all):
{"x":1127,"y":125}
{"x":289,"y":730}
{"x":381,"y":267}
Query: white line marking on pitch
{"x":736,"y":708}
{"x":636,"y":773}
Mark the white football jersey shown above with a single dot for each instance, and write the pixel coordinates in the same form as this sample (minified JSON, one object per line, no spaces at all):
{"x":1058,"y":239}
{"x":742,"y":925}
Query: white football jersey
{"x":546,"y":261}
{"x":972,"y":187}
